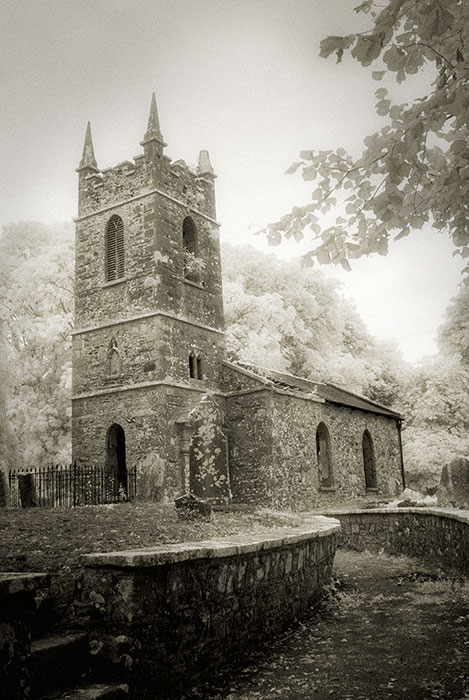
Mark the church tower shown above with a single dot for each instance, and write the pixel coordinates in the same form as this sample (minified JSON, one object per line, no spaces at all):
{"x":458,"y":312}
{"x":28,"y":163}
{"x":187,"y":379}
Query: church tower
{"x":148,"y":342}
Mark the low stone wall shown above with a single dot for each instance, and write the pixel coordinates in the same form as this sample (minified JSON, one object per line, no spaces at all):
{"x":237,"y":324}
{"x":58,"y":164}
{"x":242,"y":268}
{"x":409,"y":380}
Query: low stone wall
{"x":179,"y":613}
{"x":17,"y":609}
{"x":437,"y":535}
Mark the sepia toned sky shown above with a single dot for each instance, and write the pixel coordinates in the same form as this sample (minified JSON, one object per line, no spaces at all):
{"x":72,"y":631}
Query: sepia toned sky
{"x":241,"y":78}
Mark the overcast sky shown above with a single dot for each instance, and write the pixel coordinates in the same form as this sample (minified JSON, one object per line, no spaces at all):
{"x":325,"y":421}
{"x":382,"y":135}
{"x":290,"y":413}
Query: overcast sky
{"x":241,"y":78}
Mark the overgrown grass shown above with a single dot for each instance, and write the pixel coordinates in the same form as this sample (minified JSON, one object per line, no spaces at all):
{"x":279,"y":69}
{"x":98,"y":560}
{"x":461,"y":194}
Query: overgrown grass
{"x":53,"y":540}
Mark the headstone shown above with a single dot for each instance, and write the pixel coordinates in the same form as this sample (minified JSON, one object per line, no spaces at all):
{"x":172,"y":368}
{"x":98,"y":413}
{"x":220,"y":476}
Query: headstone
{"x":189,"y":507}
{"x":27,"y":490}
{"x":4,"y":492}
{"x":454,"y":483}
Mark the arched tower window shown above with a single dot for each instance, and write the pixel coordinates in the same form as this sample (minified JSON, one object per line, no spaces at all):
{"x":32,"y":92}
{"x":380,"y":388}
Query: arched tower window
{"x":195,"y":366}
{"x":369,"y":461}
{"x":114,"y":249}
{"x":114,"y":364}
{"x":323,"y":451}
{"x":190,"y":249}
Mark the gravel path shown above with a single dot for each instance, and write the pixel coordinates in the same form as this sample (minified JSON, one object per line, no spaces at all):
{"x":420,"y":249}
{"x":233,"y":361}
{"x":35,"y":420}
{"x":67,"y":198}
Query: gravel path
{"x":391,"y":629}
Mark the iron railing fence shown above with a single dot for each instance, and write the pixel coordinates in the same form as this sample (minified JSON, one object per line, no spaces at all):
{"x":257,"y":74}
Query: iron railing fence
{"x":70,"y":485}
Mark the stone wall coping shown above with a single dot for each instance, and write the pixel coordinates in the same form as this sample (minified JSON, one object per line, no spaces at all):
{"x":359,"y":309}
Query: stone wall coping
{"x":317,"y":527}
{"x":461,"y":515}
{"x":12,"y":583}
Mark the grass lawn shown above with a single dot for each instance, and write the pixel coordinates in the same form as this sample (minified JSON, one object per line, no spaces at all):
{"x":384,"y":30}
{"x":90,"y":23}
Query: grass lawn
{"x":52,"y":540}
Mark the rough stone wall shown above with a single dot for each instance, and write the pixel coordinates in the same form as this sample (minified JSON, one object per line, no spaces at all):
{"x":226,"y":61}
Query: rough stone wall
{"x":250,"y":446}
{"x":273,"y":447}
{"x":190,"y":609}
{"x":153,"y":263}
{"x":435,"y":535}
{"x":148,"y":417}
{"x":128,"y":180}
{"x":295,"y":479}
{"x":150,"y":349}
{"x":152,"y":196}
{"x":17,"y":611}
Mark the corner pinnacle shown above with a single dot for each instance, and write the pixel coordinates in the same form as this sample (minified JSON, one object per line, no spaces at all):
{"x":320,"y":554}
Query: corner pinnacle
{"x":204,"y":166}
{"x":153,"y":132}
{"x":88,"y":160}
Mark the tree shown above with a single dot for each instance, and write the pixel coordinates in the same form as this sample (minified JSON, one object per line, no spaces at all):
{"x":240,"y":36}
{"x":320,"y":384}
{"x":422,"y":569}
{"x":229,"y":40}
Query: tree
{"x":416,"y":168}
{"x":437,"y":400}
{"x":453,"y":336}
{"x":283,"y":316}
{"x":36,"y":292}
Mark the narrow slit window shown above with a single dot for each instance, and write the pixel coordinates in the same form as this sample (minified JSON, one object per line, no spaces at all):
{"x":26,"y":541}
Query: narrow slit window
{"x":114,"y":249}
{"x":192,"y":366}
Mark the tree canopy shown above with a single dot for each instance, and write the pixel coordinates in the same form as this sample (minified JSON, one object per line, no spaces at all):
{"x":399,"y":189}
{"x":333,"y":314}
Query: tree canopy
{"x":413,"y":171}
{"x":36,"y":292}
{"x":285,"y":317}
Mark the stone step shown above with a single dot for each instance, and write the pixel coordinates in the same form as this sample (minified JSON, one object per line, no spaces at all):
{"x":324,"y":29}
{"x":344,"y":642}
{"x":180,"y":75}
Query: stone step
{"x":58,"y":661}
{"x":98,"y":691}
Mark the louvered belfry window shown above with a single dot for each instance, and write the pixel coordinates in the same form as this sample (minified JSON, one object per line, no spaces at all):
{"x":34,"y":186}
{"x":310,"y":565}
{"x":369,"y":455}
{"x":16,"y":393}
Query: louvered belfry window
{"x":114,"y":249}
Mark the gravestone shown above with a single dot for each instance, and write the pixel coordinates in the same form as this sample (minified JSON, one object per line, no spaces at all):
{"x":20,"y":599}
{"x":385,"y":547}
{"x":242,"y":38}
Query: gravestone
{"x":454,"y":483}
{"x":27,"y":490}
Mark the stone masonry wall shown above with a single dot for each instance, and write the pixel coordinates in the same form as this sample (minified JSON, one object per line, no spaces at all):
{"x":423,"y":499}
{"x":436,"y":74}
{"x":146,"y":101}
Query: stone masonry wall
{"x":154,"y":276}
{"x":250,"y":446}
{"x":151,"y":349}
{"x":186,"y":611}
{"x":436,"y":535}
{"x":273,"y":456}
{"x":294,"y":476}
{"x":148,"y":417}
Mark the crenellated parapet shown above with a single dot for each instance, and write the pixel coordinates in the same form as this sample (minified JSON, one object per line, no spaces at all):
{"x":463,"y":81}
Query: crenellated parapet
{"x":149,"y":172}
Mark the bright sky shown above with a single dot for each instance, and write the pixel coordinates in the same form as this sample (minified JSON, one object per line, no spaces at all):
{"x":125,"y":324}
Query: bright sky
{"x":241,"y":78}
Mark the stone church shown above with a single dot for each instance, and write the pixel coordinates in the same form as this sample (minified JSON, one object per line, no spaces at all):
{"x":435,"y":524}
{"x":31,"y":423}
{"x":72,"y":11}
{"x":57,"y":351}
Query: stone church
{"x":152,"y":389}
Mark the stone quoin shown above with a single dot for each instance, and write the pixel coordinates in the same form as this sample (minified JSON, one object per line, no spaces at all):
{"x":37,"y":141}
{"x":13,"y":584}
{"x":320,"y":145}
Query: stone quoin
{"x":152,"y":388}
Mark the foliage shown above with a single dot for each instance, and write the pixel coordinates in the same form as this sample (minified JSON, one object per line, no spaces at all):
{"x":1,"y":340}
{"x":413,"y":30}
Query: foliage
{"x":193,"y":266}
{"x":285,"y":317}
{"x":437,"y":401}
{"x":454,"y":332}
{"x":416,"y":168}
{"x":36,"y":293}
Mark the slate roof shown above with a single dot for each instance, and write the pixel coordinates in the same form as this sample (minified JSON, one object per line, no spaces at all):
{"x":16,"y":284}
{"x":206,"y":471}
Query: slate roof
{"x":330,"y":393}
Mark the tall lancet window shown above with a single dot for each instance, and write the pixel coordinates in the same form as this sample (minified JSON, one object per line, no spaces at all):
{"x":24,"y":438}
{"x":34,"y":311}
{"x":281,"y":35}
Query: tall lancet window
{"x":369,"y":461}
{"x":114,"y":266}
{"x":114,"y":363}
{"x":190,"y":248}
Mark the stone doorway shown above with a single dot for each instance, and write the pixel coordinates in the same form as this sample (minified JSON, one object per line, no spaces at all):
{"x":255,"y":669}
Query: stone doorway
{"x":116,"y":459}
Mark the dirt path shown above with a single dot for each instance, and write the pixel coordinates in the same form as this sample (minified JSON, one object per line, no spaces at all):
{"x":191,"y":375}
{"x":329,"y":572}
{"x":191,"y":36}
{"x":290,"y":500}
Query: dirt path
{"x":391,"y":629}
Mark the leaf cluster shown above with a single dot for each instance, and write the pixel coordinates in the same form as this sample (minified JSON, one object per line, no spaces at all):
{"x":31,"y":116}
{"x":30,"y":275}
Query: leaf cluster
{"x":415,"y":170}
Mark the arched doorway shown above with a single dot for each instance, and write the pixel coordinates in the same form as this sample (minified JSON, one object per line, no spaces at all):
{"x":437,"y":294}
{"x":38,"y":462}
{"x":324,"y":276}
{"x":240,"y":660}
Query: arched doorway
{"x":116,"y":461}
{"x":369,"y":461}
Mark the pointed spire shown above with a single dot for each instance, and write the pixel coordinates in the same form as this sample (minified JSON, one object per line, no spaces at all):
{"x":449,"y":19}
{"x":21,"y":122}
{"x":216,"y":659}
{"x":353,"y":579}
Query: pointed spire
{"x":205,"y":167}
{"x":88,"y":161}
{"x":153,"y":132}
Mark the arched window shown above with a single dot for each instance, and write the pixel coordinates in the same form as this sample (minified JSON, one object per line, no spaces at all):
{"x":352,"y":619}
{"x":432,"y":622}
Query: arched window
{"x":369,"y":461}
{"x":114,"y":249}
{"x":114,"y":364}
{"x":190,"y":249}
{"x":323,"y":451}
{"x":195,"y":366}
